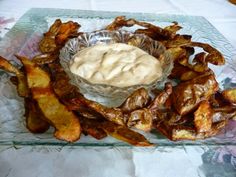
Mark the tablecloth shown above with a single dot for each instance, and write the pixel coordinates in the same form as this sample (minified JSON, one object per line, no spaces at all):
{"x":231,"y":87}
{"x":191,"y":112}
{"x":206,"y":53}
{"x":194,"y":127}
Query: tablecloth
{"x":180,"y":161}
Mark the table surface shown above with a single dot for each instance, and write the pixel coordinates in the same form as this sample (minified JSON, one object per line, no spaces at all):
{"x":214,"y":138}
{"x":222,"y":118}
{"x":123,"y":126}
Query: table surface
{"x":180,"y":161}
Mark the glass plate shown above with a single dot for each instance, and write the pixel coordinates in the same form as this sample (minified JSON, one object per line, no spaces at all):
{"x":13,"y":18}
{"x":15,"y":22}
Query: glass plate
{"x":23,"y":38}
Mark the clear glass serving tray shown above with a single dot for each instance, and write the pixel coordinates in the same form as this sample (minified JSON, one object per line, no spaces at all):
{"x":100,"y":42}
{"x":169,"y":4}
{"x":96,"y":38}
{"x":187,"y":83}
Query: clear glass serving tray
{"x":23,"y":38}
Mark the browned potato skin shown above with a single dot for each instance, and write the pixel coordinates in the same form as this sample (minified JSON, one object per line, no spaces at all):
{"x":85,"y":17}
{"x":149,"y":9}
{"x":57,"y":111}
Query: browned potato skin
{"x":57,"y":35}
{"x":182,"y":73}
{"x":124,"y":134}
{"x":22,"y":88}
{"x":230,"y":95}
{"x":187,"y":95}
{"x":35,"y":120}
{"x":121,"y":21}
{"x":138,"y":99}
{"x":34,"y":117}
{"x":67,"y":126}
{"x":214,"y":56}
{"x":91,"y":127}
{"x":140,"y":119}
{"x":203,"y":117}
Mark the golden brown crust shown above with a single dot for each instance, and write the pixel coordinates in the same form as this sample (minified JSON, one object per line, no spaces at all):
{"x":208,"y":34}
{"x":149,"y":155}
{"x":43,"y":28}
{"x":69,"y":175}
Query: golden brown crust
{"x":187,"y":95}
{"x":66,"y":124}
{"x":230,"y":95}
{"x":35,"y":120}
{"x":22,"y":87}
{"x":203,"y":117}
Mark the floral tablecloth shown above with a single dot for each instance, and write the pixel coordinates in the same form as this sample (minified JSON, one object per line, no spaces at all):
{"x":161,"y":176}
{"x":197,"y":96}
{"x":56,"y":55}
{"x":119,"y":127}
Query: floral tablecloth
{"x":179,"y":161}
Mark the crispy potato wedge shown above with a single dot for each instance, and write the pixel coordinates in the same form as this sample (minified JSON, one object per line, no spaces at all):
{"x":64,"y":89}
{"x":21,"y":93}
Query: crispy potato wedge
{"x":141,"y":119}
{"x":182,"y":73}
{"x":66,"y":30}
{"x":183,"y":132}
{"x":150,"y":33}
{"x":35,"y":120}
{"x":223,"y":113}
{"x":111,"y":114}
{"x":160,"y":100}
{"x":173,"y":28}
{"x":203,"y":117}
{"x":124,"y":134}
{"x":177,"y":53}
{"x":138,"y":99}
{"x":121,"y":21}
{"x":187,"y":95}
{"x":22,"y":87}
{"x":33,"y":115}
{"x":45,"y":58}
{"x":48,"y":43}
{"x":200,"y":57}
{"x":188,"y":75}
{"x":91,"y":127}
{"x":57,"y":35}
{"x":230,"y":95}
{"x":66,"y":124}
{"x":214,"y":56}
{"x":216,"y":128}
{"x":178,"y":41}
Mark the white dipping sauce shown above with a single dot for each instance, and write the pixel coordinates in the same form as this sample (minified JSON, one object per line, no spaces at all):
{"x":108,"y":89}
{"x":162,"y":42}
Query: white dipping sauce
{"x":116,"y":64}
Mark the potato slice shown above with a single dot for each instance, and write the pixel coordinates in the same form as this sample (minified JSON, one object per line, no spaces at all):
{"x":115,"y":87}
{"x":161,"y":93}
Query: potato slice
{"x":67,"y":126}
{"x":182,"y":72}
{"x":57,"y":35}
{"x":140,"y":119}
{"x":203,"y":117}
{"x":214,"y":56}
{"x":22,"y":87}
{"x":121,"y":21}
{"x":124,"y":134}
{"x":91,"y":127}
{"x":230,"y":95}
{"x":46,"y":58}
{"x":35,"y":120}
{"x":33,"y":115}
{"x":138,"y":99}
{"x":178,"y":41}
{"x":177,"y":53}
{"x":187,"y":95}
{"x":188,"y":75}
{"x":173,"y":28}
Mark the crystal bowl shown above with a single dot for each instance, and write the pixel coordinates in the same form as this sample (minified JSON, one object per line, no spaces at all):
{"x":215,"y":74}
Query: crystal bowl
{"x":107,"y":94}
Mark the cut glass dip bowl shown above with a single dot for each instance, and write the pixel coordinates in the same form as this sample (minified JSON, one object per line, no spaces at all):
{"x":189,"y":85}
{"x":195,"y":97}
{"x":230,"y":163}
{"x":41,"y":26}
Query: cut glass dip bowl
{"x":107,"y":94}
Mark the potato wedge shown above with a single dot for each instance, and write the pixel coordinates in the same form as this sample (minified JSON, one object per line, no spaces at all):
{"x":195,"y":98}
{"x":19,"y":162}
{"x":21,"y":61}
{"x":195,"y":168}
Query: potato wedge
{"x":22,"y":87}
{"x":57,"y":35}
{"x":138,"y":99}
{"x":214,"y":56}
{"x":35,"y":120}
{"x":177,"y":53}
{"x":230,"y":95}
{"x":140,"y":119}
{"x":187,"y":95}
{"x":173,"y":28}
{"x":66,"y":124}
{"x":91,"y":127}
{"x":121,"y":21}
{"x":203,"y":117}
{"x":124,"y":134}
